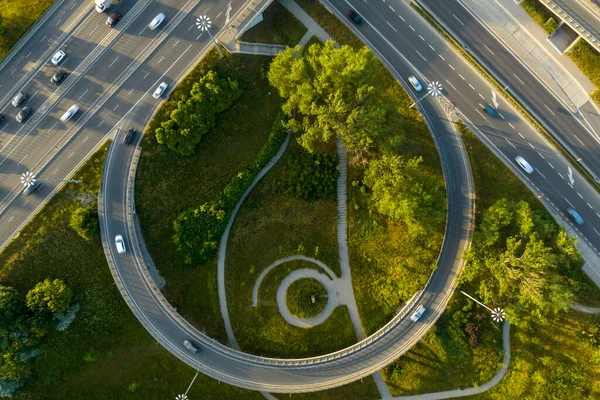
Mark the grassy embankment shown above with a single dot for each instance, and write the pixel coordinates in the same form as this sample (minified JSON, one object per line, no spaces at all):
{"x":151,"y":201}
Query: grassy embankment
{"x":17,"y":18}
{"x":130,"y":363}
{"x":279,"y":26}
{"x":541,"y":15}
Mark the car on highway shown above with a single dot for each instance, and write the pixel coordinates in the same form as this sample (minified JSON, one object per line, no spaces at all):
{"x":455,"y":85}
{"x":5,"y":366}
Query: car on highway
{"x":420,"y":311}
{"x":160,"y":90}
{"x":18,"y":99}
{"x":58,"y":57}
{"x":1,"y":117}
{"x":575,"y":216}
{"x":120,"y":243}
{"x":69,"y":113}
{"x":415,"y":83}
{"x":31,"y":188}
{"x":23,"y":114}
{"x":488,"y":109}
{"x":112,"y":19}
{"x":128,"y":137}
{"x":156,"y":21}
{"x":353,"y":15}
{"x":190,"y":346}
{"x":58,"y":76}
{"x":524,"y":164}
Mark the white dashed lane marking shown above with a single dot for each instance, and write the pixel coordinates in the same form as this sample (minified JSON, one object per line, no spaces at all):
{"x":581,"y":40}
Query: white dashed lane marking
{"x":413,"y":29}
{"x":519,"y":79}
{"x":522,"y":137}
{"x":455,"y":17}
{"x":579,"y":140}
{"x":395,"y":30}
{"x":511,"y":125}
{"x":488,"y":49}
{"x":442,"y":57}
{"x":548,"y":108}
{"x":421,"y":55}
{"x":400,"y":16}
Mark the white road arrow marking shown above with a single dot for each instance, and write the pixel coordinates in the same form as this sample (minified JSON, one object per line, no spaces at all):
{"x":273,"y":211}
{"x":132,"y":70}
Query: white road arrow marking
{"x":227,"y":13}
{"x":571,"y":179}
{"x":494,"y":101}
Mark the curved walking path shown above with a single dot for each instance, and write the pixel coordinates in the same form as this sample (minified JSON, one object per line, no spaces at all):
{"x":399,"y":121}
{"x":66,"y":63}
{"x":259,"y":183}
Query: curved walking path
{"x":585,"y":309}
{"x":332,"y":301}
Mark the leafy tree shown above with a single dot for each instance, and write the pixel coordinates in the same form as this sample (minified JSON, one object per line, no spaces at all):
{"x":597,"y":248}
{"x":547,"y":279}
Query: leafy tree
{"x":403,"y":190}
{"x":84,"y":221}
{"x":11,"y":367}
{"x":333,"y":92}
{"x":196,"y":113}
{"x":49,"y":296}
{"x":516,"y":257}
{"x":12,"y":306}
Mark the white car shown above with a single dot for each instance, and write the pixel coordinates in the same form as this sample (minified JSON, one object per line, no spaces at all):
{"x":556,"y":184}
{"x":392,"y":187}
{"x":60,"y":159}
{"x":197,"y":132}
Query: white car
{"x":120,"y":243}
{"x":156,"y":21}
{"x":524,"y":164}
{"x":160,"y":90}
{"x":69,"y":113}
{"x":190,"y":346}
{"x":415,"y":83}
{"x":415,"y":317}
{"x":58,"y":57}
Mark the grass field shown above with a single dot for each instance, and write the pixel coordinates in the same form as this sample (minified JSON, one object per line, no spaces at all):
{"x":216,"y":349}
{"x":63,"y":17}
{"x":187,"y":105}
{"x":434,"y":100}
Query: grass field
{"x":48,"y":247}
{"x":168,"y":184}
{"x":17,"y":18}
{"x":278,"y":26}
{"x":540,"y":14}
{"x":588,"y":61}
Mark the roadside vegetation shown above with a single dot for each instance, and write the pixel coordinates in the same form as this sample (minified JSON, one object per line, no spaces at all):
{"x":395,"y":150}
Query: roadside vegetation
{"x":279,"y":26}
{"x":466,"y":339}
{"x":540,"y":14}
{"x":16,"y":17}
{"x":104,"y":352}
{"x":587,"y":60}
{"x":169,"y":184}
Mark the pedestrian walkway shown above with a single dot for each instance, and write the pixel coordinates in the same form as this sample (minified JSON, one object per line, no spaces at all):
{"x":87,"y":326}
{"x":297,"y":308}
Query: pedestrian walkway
{"x":528,"y":41}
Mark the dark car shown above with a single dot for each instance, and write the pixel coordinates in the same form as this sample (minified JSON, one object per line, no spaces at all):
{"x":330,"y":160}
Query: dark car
{"x":128,"y":137}
{"x":113,"y":19}
{"x":23,"y":114}
{"x":58,"y":76}
{"x":353,"y":15}
{"x":1,"y":117}
{"x":488,"y":109}
{"x":31,"y":188}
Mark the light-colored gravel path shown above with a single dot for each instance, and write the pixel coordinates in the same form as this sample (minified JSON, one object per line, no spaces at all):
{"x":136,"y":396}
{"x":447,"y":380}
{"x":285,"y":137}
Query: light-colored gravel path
{"x":585,"y":309}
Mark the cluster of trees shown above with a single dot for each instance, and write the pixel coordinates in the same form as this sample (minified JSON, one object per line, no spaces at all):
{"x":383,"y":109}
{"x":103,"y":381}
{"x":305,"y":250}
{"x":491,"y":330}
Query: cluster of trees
{"x":196,"y":113}
{"x":522,"y":260}
{"x":84,"y":221}
{"x":331,"y":93}
{"x":24,"y":321}
{"x":404,"y":191}
{"x":309,"y":176}
{"x":199,"y":229}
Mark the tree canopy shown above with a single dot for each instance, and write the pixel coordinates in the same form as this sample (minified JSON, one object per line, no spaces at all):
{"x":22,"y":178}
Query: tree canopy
{"x":520,"y":260}
{"x":196,"y":113}
{"x":403,"y":190}
{"x":333,"y":94}
{"x":53,"y":296}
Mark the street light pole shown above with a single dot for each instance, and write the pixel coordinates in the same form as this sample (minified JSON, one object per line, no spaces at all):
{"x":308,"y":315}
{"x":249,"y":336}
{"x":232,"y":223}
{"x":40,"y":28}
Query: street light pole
{"x":28,"y":179}
{"x":434,"y":89}
{"x":498,"y":314}
{"x":204,"y":23}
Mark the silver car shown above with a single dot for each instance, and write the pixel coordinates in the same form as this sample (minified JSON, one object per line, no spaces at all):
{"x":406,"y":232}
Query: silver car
{"x":58,"y":57}
{"x":18,"y":99}
{"x":190,"y":346}
{"x":160,"y":90}
{"x":120,"y":243}
{"x":415,"y":317}
{"x":156,"y":21}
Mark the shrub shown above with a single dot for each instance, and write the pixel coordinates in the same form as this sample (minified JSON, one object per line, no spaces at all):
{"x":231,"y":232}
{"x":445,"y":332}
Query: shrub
{"x":65,"y":319}
{"x":53,"y":296}
{"x":550,"y":25}
{"x":7,"y":388}
{"x":84,"y":221}
{"x":198,"y":230}
{"x":309,"y":176}
{"x":92,"y":355}
{"x":196,"y":113}
{"x":299,"y":298}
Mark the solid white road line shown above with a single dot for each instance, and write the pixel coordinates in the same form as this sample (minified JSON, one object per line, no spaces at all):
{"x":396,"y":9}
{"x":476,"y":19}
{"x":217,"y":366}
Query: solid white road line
{"x":509,"y":142}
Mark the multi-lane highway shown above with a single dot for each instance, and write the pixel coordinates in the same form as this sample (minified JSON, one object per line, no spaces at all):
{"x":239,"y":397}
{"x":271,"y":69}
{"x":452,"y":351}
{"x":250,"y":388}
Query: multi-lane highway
{"x":109,"y":71}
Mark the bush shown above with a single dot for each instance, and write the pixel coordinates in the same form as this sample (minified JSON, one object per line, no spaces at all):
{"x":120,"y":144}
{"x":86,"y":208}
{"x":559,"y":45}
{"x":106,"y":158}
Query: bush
{"x":196,"y":113}
{"x":92,"y":355}
{"x":7,"y":388}
{"x":84,"y":221}
{"x":550,"y":25}
{"x":299,"y":300}
{"x":65,"y":319}
{"x":198,"y":230}
{"x":309,"y":176}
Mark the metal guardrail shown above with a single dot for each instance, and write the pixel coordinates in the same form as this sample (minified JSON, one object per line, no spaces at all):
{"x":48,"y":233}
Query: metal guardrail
{"x":572,"y":23}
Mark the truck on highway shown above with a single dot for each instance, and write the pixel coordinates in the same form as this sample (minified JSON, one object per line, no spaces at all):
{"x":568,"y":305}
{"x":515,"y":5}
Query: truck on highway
{"x":102,"y":5}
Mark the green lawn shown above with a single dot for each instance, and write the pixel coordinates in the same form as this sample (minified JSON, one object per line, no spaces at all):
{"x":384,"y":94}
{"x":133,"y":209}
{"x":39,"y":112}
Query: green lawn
{"x":16,"y":18}
{"x":279,"y":26}
{"x":168,"y":184}
{"x":48,"y":247}
{"x":268,"y":227}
